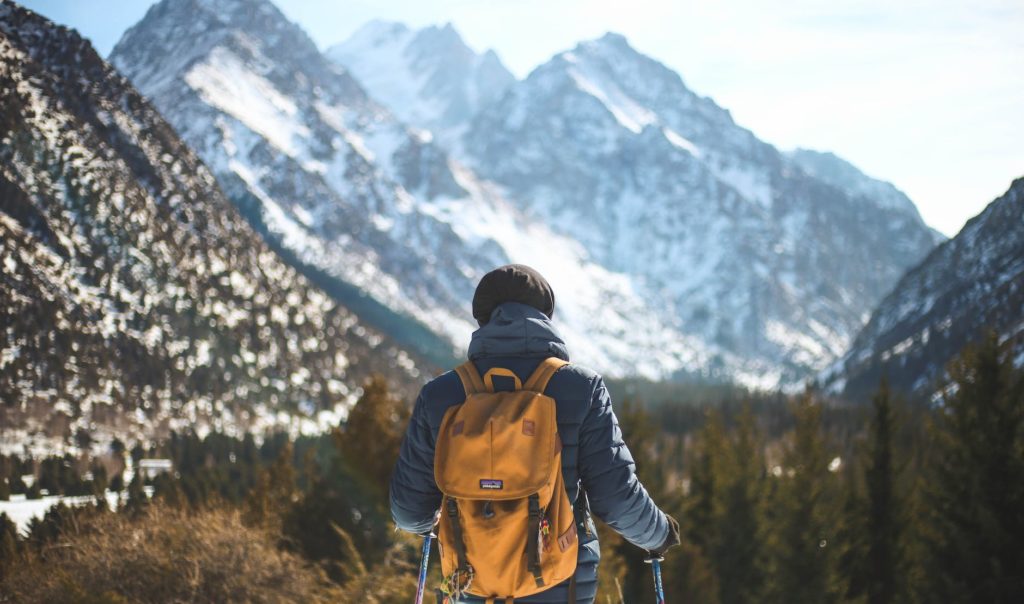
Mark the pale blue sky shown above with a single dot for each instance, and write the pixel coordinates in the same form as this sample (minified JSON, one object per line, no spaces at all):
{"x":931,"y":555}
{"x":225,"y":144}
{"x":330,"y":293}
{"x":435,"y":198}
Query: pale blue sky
{"x":928,"y":94}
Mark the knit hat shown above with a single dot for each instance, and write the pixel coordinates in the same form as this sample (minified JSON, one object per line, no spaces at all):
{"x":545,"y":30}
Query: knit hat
{"x":512,"y":283}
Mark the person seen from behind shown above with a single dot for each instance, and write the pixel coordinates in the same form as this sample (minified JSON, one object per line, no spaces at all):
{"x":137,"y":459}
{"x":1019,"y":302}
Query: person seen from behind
{"x":509,"y":457}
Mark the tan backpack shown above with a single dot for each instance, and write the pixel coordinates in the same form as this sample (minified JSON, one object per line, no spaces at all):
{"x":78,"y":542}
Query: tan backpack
{"x":506,"y":528}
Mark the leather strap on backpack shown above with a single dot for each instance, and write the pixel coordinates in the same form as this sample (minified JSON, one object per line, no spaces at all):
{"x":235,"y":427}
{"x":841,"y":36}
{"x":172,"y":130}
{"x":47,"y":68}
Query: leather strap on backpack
{"x":493,"y":371}
{"x":470,"y":377}
{"x":472,"y":383}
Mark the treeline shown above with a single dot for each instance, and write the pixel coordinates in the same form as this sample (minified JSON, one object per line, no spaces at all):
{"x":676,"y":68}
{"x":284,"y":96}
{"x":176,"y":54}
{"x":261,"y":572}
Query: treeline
{"x":320,"y":501}
{"x":781,"y":499}
{"x":908,"y":504}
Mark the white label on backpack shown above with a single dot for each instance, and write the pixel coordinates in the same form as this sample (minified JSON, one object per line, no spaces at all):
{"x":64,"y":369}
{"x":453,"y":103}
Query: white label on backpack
{"x":492,"y":484}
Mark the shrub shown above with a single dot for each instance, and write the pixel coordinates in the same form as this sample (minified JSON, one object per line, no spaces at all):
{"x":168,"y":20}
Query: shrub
{"x":166,"y":555}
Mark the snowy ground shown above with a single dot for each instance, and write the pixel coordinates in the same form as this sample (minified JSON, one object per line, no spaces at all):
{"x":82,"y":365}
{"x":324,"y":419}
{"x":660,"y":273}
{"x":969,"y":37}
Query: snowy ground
{"x":22,"y":510}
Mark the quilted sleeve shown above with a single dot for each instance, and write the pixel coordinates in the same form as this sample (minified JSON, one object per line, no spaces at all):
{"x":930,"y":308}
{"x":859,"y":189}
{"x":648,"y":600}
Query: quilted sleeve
{"x":609,"y":477}
{"x":414,"y":495}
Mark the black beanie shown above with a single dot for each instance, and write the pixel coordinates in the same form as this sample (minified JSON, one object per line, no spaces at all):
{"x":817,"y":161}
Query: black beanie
{"x":512,"y":283}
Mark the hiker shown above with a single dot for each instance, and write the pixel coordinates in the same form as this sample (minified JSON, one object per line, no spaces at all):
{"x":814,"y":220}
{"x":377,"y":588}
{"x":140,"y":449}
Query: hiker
{"x":516,"y":342}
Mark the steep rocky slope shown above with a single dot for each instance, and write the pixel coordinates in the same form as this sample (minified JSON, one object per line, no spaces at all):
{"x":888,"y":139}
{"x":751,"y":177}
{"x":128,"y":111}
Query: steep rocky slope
{"x":755,"y":253}
{"x":969,"y":285}
{"x":680,"y":245}
{"x":133,"y":296}
{"x":375,"y":211}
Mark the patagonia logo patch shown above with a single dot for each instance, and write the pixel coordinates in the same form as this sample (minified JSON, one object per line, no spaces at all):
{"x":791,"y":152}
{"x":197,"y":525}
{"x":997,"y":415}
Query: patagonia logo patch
{"x":529,"y":427}
{"x":492,"y":484}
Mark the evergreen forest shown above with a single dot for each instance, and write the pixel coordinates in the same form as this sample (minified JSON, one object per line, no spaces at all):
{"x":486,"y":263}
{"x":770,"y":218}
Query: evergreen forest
{"x":781,"y":499}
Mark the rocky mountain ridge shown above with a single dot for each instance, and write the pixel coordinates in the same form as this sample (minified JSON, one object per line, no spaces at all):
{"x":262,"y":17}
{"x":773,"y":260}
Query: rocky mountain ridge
{"x":968,"y":286}
{"x":752,"y":251}
{"x":134,"y":298}
{"x":376,"y":211}
{"x":669,"y":228}
{"x":430,"y":78}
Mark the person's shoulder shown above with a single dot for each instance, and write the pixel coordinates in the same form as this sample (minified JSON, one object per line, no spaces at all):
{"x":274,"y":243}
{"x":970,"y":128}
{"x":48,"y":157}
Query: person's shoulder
{"x":576,"y":378}
{"x":581,"y":372}
{"x":443,"y":387}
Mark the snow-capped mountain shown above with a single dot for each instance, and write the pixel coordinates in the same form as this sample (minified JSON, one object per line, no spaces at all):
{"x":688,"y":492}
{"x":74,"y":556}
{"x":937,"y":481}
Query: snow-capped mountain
{"x":429,"y":77}
{"x":775,"y":262}
{"x":968,"y":285}
{"x":374,"y":211}
{"x":134,"y":298}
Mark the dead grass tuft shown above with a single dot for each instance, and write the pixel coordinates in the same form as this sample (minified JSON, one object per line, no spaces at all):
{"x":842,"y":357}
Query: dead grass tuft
{"x":167,"y":555}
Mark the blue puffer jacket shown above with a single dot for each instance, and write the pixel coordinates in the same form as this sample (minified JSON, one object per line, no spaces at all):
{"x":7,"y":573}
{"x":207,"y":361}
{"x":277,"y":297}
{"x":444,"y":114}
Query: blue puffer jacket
{"x":595,"y":460}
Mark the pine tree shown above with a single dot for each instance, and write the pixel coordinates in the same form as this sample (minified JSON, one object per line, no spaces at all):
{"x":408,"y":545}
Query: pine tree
{"x":8,"y":544}
{"x":168,"y":490}
{"x":117,"y":483}
{"x":99,"y":484}
{"x":704,"y":509}
{"x":976,"y":524}
{"x":372,"y":434}
{"x":804,"y":565}
{"x":885,"y":519}
{"x":137,"y":499}
{"x":739,"y":553}
{"x":852,"y":564}
{"x":275,"y":491}
{"x":685,"y":567}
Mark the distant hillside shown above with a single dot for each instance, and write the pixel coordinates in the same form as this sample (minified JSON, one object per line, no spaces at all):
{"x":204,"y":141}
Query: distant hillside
{"x":134,"y":298}
{"x":968,"y":285}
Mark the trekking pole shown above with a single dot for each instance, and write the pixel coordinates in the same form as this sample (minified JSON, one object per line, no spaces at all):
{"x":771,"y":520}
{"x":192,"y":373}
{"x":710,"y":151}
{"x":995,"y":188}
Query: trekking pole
{"x":659,"y":593}
{"x":424,"y":562}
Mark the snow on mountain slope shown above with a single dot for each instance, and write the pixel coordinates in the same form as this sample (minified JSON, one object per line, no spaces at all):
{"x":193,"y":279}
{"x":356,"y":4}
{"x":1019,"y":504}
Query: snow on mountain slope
{"x":754,"y":255}
{"x":872,"y":192}
{"x":969,"y":284}
{"x":134,"y":299}
{"x":429,"y":77}
{"x":368,"y":208}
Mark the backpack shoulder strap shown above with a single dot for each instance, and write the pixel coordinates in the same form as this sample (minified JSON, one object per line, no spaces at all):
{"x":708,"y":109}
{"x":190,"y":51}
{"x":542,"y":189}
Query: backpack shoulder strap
{"x":470,"y":377}
{"x":538,"y":381}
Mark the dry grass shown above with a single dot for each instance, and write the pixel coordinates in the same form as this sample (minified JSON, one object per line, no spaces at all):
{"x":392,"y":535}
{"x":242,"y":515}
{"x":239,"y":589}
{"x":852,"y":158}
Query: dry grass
{"x":167,"y":556}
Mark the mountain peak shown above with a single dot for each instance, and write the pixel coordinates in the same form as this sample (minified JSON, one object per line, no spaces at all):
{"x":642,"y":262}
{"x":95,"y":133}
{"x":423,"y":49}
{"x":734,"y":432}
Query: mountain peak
{"x":610,"y":44}
{"x":379,"y":31}
{"x":613,"y":39}
{"x":175,"y":36}
{"x":445,"y":38}
{"x":430,"y":78}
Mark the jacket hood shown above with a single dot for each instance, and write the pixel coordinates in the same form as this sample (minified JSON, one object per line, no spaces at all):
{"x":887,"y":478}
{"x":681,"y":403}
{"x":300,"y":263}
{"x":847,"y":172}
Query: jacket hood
{"x":517,"y":330}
